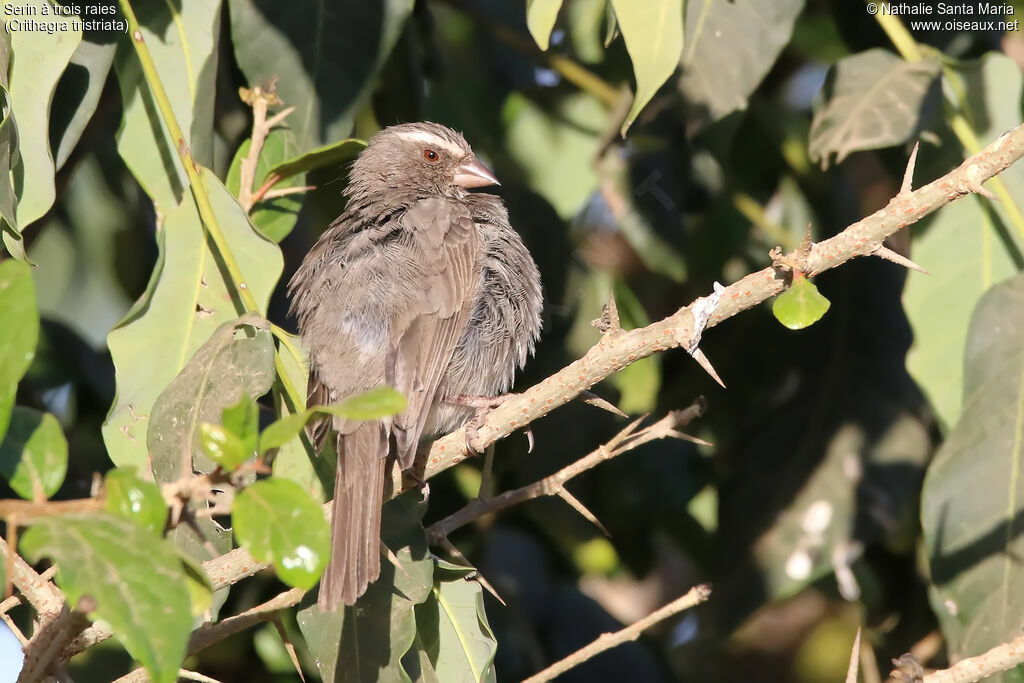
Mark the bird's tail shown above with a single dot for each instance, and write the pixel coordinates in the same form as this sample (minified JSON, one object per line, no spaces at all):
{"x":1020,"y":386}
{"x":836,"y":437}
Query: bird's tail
{"x":355,"y":522}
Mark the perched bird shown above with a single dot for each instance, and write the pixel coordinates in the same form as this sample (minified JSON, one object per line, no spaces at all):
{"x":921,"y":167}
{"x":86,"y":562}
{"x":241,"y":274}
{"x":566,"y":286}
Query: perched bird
{"x":420,"y":285}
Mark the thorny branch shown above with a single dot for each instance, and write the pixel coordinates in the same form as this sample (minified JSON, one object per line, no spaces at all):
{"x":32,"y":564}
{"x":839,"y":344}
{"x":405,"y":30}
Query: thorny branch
{"x":618,"y":348}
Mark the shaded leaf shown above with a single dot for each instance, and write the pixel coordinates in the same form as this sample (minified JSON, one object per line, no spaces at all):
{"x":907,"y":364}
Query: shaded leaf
{"x":872,"y":99}
{"x":801,"y":305}
{"x":20,"y":332}
{"x":965,"y":246}
{"x":291,"y":460}
{"x":134,"y":577}
{"x":38,"y":60}
{"x":182,"y":39}
{"x":325,"y":57}
{"x":131,"y":497}
{"x":8,"y":160}
{"x":34,"y":454}
{"x":453,"y":627}
{"x":334,"y":154}
{"x":200,"y":589}
{"x":367,"y":641}
{"x":278,"y":521}
{"x":540,"y":19}
{"x":653,"y":32}
{"x":718,"y":77}
{"x":237,"y":360}
{"x":185,"y":301}
{"x":973,"y":494}
{"x":78,"y":92}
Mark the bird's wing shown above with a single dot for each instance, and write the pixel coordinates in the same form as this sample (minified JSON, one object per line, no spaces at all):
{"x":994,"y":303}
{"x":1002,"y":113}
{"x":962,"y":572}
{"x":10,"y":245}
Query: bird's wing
{"x":444,"y":240}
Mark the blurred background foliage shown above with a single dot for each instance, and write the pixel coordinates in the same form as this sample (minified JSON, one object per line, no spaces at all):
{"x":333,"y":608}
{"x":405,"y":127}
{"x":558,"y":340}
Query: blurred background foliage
{"x":806,"y":515}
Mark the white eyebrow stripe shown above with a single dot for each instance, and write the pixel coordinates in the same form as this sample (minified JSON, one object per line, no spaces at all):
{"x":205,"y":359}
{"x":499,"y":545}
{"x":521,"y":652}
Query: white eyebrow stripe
{"x":432,"y":140}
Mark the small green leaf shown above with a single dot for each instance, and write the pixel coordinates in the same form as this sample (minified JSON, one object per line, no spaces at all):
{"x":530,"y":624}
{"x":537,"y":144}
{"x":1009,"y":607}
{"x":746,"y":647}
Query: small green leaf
{"x":540,"y":19}
{"x":34,"y":454}
{"x":653,"y":31}
{"x":274,"y":217}
{"x":131,"y":497}
{"x":243,"y":420}
{"x":373,"y":404}
{"x":281,"y":431}
{"x":221,"y":446}
{"x":200,"y":589}
{"x":334,"y":154}
{"x":801,"y":305}
{"x":278,"y":521}
{"x":134,"y":577}
{"x":20,"y":331}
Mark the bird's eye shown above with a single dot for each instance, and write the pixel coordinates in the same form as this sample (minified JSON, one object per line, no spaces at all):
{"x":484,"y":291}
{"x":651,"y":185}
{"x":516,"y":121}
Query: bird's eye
{"x":430,"y":155}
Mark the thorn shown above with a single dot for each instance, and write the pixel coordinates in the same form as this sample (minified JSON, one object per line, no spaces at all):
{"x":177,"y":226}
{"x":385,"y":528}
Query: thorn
{"x":625,"y":432}
{"x":609,"y":323}
{"x":908,"y":175}
{"x":592,"y":399}
{"x":890,"y":255}
{"x":392,"y":558}
{"x":682,"y":436}
{"x":279,"y":117}
{"x":528,"y":430}
{"x":977,"y":188}
{"x":289,"y":646}
{"x":461,"y":559}
{"x":579,"y":507}
{"x":851,"y":671}
{"x":703,"y":361}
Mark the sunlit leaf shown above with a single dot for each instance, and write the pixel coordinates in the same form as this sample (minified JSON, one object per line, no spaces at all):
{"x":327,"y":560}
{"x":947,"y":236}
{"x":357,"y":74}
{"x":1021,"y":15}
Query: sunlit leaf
{"x":134,"y":498}
{"x":221,"y":446}
{"x":973,"y":494}
{"x":653,"y":32}
{"x":872,"y":99}
{"x":20,"y":332}
{"x":334,"y":154}
{"x":33,"y":454}
{"x":78,"y":92}
{"x":38,"y":60}
{"x":801,"y":305}
{"x":133,"y":577}
{"x":540,"y":19}
{"x":279,"y":522}
{"x":186,"y":300}
{"x":275,"y":217}
{"x":182,"y":39}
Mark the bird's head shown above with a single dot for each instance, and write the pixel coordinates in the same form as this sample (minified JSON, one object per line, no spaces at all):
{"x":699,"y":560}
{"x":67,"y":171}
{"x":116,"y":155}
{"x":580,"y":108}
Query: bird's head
{"x":427,"y":159}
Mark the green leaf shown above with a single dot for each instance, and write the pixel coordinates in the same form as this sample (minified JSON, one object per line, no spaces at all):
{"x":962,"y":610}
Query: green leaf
{"x":242,"y":419}
{"x":279,"y":522}
{"x":276,"y":217}
{"x":326,"y":58}
{"x":973,"y":494}
{"x":37,"y":61}
{"x":221,"y":446}
{"x":640,"y":381}
{"x":873,"y":99}
{"x":801,"y":305}
{"x":237,"y":360}
{"x":653,"y":32}
{"x":134,"y":577}
{"x":182,"y":39}
{"x":78,"y":92}
{"x":718,"y":77}
{"x":20,"y":332}
{"x":366,"y":642}
{"x":131,"y":497}
{"x":335,"y":154}
{"x":282,"y":430}
{"x":200,"y":589}
{"x":370,"y":405}
{"x":34,"y":454}
{"x":8,"y":160}
{"x":965,"y":245}
{"x":186,"y":300}
{"x":292,"y":460}
{"x":453,"y":627}
{"x":540,"y":19}
{"x":555,"y":148}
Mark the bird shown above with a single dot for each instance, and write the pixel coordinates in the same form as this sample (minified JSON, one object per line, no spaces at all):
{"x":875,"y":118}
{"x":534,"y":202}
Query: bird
{"x":421,"y":285}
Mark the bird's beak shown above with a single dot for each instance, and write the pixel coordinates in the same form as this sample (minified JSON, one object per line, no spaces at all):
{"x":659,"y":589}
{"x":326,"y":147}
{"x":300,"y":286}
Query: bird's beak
{"x":472,"y":173}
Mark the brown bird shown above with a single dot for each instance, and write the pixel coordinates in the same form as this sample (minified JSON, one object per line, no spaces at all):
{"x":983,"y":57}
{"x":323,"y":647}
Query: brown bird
{"x":420,"y":285}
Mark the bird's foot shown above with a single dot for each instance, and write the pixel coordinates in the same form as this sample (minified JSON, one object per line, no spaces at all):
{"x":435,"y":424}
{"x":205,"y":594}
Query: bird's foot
{"x":482,"y":405}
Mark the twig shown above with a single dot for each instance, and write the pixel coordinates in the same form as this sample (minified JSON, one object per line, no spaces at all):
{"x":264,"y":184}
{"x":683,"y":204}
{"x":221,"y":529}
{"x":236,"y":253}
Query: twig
{"x":851,"y":670}
{"x":552,"y":485}
{"x":285,"y":191}
{"x":260,"y":99}
{"x":44,"y":649}
{"x":606,"y":641}
{"x":999,"y":658}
